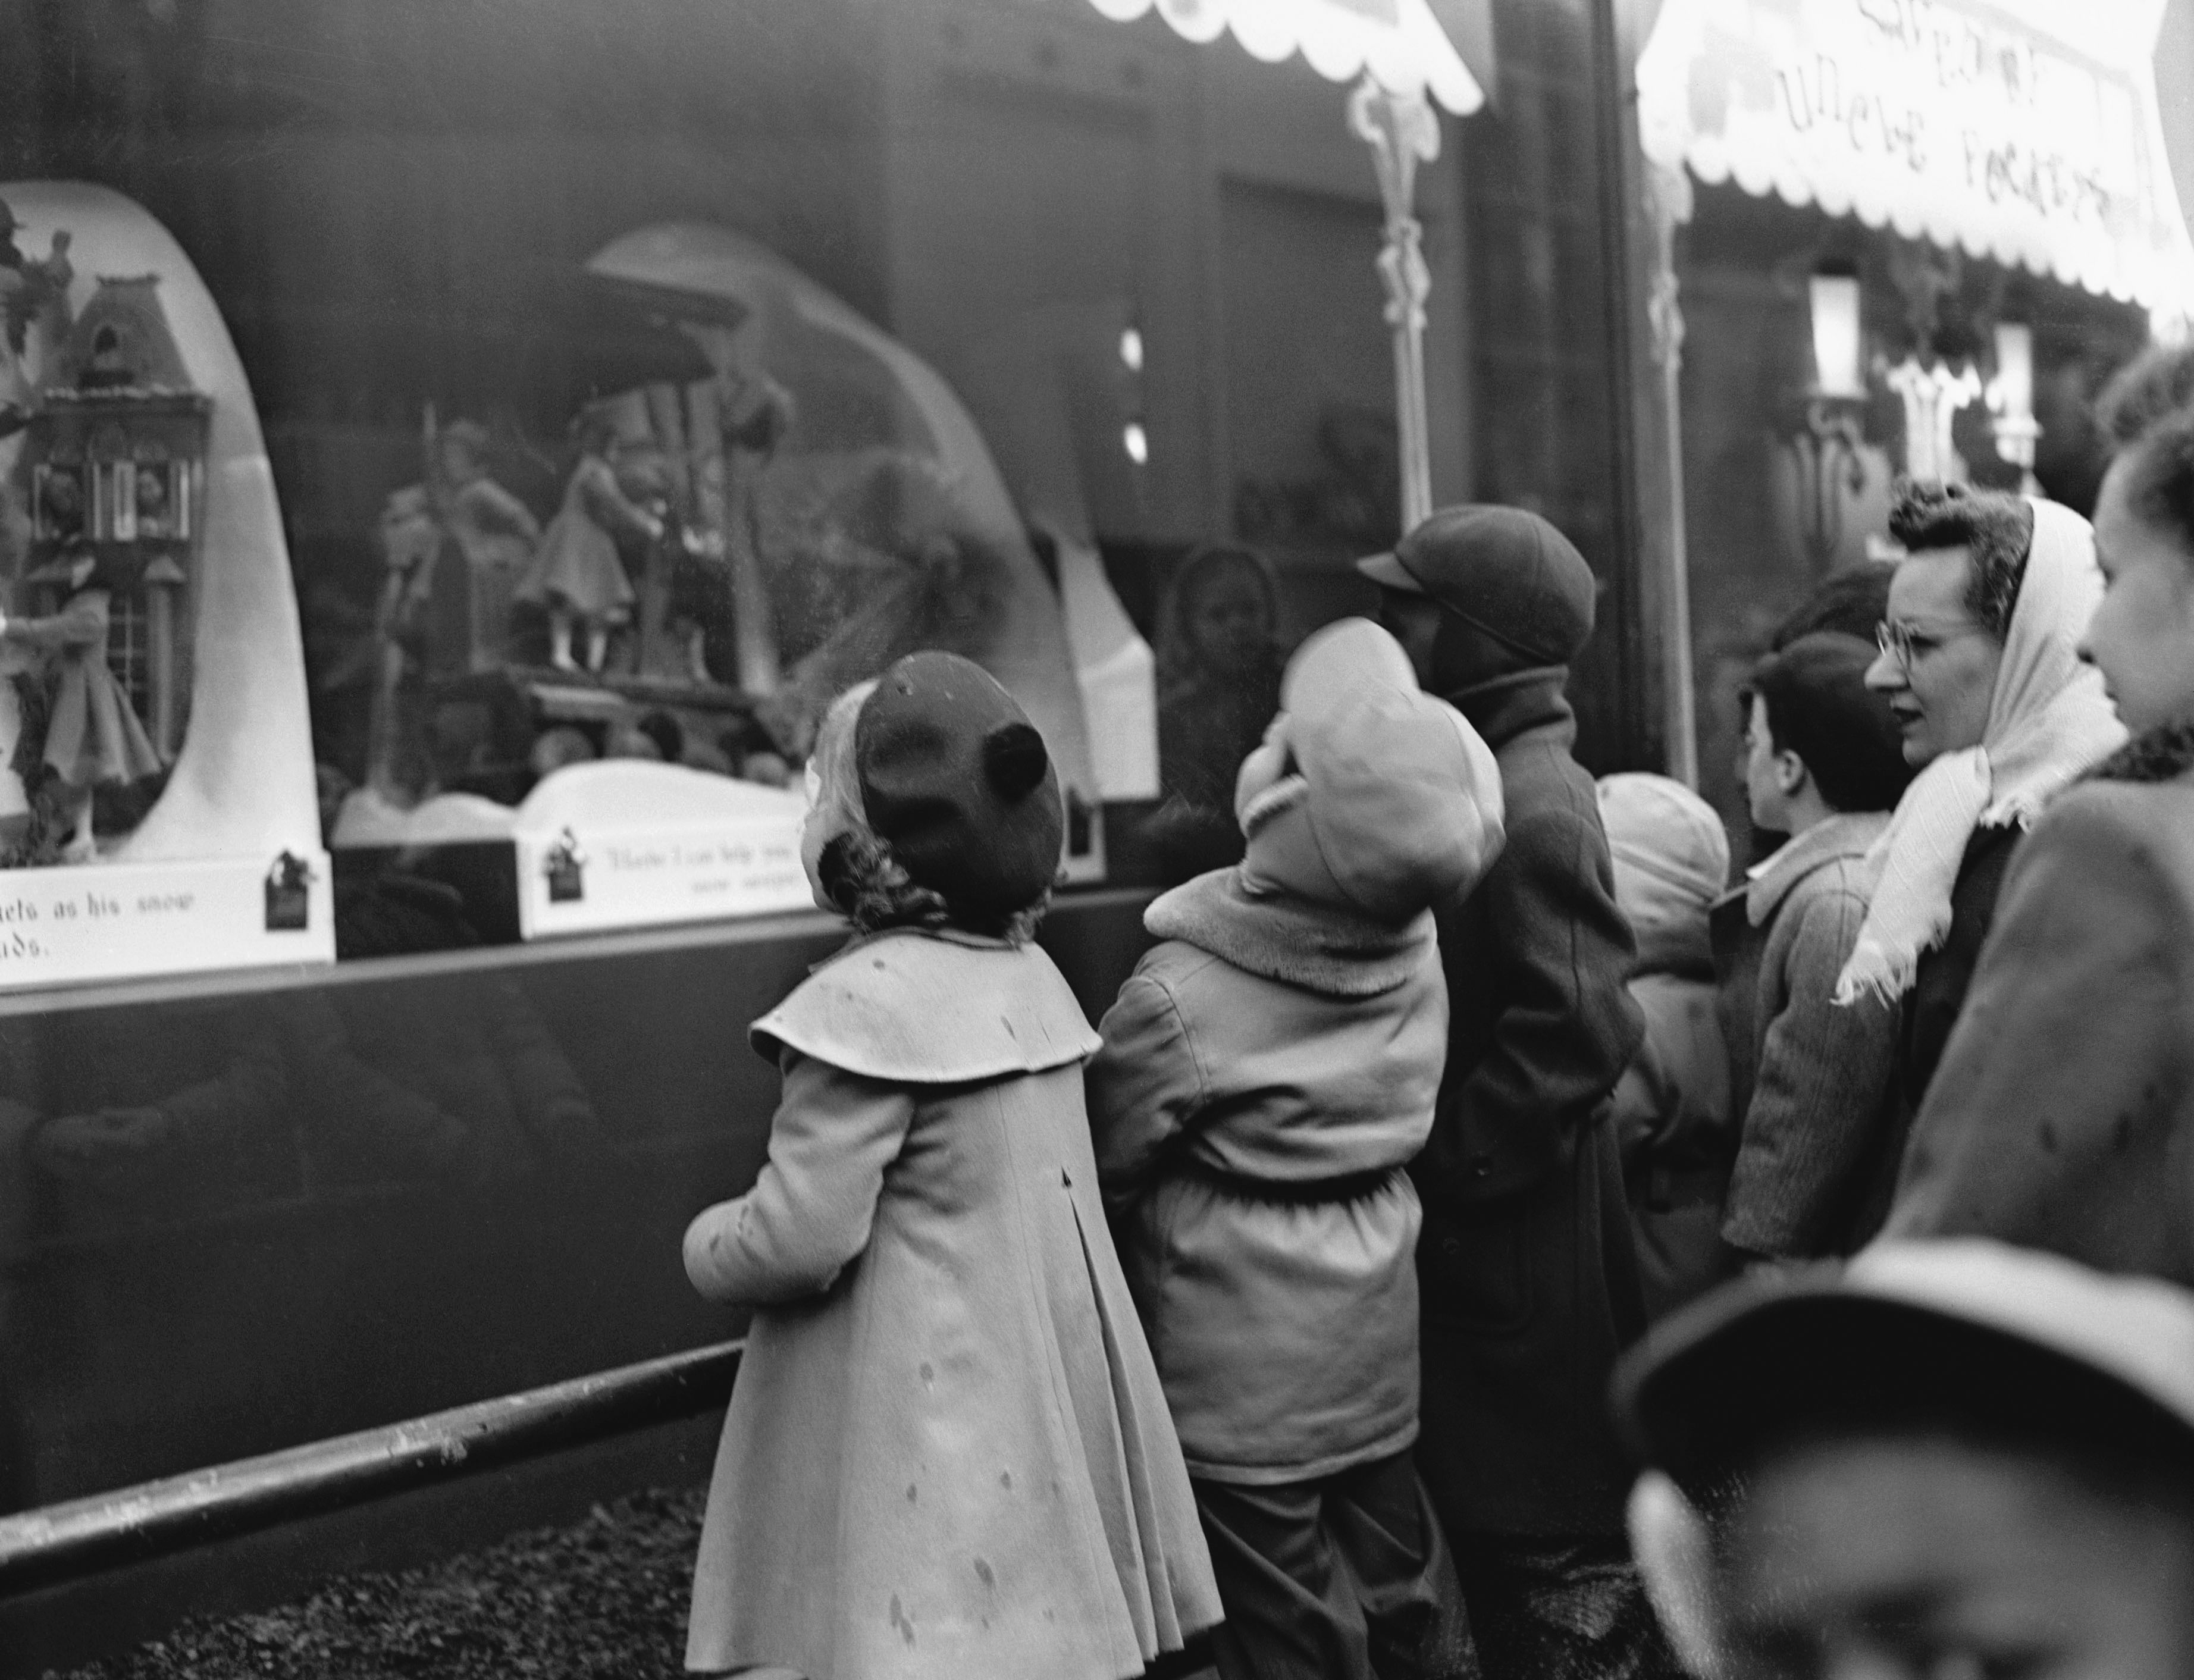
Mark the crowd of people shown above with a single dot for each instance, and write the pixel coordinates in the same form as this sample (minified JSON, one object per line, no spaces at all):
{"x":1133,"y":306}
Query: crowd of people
{"x":1473,"y":1145}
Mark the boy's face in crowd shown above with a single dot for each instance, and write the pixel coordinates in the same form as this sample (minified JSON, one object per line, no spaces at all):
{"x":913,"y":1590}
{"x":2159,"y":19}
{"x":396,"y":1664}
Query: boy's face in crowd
{"x":1884,"y":1557}
{"x":1764,"y":772}
{"x":2142,"y":636}
{"x":1941,"y":693}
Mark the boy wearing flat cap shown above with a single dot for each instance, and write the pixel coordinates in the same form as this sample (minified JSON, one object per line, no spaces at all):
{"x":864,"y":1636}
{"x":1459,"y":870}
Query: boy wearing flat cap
{"x":1529,"y":1281}
{"x":1948,"y":1458}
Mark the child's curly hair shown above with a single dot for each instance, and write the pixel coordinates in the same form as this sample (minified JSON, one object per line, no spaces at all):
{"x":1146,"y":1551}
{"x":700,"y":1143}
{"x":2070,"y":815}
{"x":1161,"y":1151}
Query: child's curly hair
{"x":871,"y":888}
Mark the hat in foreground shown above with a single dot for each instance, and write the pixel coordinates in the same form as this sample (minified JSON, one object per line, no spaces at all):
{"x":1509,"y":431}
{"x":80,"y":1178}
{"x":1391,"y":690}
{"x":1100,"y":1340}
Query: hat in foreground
{"x":1967,"y":1333}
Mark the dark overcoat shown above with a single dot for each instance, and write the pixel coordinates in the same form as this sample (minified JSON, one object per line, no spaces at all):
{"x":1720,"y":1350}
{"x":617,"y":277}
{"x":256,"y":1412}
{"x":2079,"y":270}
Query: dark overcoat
{"x":2062,"y":1114}
{"x":1528,"y":1281}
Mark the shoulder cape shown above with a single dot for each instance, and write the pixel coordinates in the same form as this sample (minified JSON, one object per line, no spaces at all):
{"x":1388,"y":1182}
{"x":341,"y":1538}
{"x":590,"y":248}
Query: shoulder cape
{"x":932,"y":1010}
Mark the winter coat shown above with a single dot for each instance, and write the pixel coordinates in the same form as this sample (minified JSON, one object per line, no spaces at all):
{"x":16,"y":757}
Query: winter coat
{"x":1266,"y":1077}
{"x":947,"y":1454}
{"x":1528,"y":1276}
{"x":1938,"y":989}
{"x":1671,"y":1116}
{"x":1819,"y":1080}
{"x":2062,"y":1116}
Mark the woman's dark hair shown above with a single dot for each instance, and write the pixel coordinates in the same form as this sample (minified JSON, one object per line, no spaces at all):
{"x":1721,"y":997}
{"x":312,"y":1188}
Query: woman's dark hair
{"x":2147,"y":411}
{"x":871,"y":889}
{"x":1995,"y":531}
{"x":1851,"y":602}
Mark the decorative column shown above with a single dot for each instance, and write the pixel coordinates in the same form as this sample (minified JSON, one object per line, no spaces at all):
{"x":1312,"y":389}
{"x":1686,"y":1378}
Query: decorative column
{"x":1668,"y":207}
{"x":1933,"y":397}
{"x":1402,"y":131}
{"x":163,"y":582}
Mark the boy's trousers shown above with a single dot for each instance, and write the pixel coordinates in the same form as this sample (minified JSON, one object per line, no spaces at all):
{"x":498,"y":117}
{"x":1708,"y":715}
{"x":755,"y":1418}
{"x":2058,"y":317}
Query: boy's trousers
{"x":1344,"y":1578}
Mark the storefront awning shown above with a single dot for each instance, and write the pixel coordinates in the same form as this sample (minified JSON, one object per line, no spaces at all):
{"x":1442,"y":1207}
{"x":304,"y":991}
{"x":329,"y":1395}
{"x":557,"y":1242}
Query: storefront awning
{"x":1399,"y":42}
{"x":2026,"y":131}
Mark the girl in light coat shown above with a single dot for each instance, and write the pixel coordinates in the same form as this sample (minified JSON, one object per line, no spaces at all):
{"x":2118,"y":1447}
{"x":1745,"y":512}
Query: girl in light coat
{"x":947,"y":1456}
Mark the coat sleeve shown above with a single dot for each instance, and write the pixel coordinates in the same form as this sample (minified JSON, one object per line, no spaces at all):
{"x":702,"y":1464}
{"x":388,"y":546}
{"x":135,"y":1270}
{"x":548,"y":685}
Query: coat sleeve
{"x":2049,"y":1121}
{"x":810,"y":1212}
{"x":1144,"y":1086}
{"x":1818,"y":1107}
{"x":1567,"y":1027}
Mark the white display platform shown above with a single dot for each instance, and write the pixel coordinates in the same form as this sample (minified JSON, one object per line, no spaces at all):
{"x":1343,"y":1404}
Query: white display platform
{"x":118,"y":922}
{"x":622,"y":843}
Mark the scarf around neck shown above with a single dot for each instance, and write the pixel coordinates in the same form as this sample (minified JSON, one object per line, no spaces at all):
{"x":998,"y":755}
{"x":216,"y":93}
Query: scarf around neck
{"x":2048,"y":722}
{"x":1321,"y":947}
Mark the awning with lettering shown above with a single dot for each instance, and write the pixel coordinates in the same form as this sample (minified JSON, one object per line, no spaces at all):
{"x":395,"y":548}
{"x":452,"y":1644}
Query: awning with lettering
{"x":1398,"y":42}
{"x":2026,"y":131}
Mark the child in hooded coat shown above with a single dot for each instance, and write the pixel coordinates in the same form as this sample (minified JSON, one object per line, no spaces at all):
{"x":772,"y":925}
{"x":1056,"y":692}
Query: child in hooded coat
{"x":1672,"y":1105}
{"x":947,"y":1456}
{"x":1267,"y":1073}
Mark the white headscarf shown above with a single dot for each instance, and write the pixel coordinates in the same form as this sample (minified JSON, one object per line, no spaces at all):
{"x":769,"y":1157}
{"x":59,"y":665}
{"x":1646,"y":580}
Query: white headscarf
{"x":2049,"y":721}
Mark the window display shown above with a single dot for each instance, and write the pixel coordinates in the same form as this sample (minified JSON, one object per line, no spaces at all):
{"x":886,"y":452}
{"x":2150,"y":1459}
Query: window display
{"x":154,"y":803}
{"x":765,"y":501}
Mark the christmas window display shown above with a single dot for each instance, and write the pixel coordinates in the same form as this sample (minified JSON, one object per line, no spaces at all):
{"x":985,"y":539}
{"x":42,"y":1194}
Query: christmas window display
{"x":156,"y":777}
{"x":765,"y":500}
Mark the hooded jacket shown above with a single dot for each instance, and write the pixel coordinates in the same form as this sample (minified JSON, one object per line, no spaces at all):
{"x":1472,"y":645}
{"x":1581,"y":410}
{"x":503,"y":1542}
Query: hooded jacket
{"x":1270,"y":1068}
{"x":1671,"y":1110}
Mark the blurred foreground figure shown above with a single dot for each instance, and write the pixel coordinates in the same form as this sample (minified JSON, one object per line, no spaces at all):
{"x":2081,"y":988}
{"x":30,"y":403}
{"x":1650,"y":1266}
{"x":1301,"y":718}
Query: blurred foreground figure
{"x":1951,"y":1458}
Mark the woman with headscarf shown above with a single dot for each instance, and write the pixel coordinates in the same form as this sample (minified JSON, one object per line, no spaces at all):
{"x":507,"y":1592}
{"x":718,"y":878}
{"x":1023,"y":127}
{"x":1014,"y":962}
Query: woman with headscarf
{"x":2063,"y":1115}
{"x":1980,"y":662}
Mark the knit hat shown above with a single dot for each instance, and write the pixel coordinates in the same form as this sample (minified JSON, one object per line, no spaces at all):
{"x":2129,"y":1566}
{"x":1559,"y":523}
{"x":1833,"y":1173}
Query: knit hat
{"x":1365,"y":793}
{"x":1819,"y":707}
{"x":1671,"y":860}
{"x":1504,"y":570}
{"x":957,"y":780}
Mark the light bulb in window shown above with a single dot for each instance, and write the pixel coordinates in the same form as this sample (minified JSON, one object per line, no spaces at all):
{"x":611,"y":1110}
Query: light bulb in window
{"x":1835,"y":299}
{"x":1136,"y":442}
{"x":1131,"y":349}
{"x":2014,"y":369}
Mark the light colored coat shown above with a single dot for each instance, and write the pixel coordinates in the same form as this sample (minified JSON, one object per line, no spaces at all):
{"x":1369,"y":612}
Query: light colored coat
{"x":2062,"y":1114}
{"x":1817,"y":1079}
{"x":1285,"y":1323}
{"x":947,"y":1454}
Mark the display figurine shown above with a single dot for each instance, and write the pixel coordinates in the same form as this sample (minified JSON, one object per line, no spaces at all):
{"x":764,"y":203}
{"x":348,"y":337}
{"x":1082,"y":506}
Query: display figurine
{"x":410,"y":543}
{"x":577,"y":573}
{"x":495,"y":532}
{"x":93,"y":737}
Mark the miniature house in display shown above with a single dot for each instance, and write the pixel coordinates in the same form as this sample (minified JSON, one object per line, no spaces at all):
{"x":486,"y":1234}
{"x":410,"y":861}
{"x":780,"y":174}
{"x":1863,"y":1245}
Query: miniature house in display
{"x":117,"y":456}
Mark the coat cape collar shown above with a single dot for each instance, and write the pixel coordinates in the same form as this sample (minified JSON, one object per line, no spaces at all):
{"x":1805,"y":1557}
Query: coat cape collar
{"x":924,"y":1008}
{"x":1321,"y":947}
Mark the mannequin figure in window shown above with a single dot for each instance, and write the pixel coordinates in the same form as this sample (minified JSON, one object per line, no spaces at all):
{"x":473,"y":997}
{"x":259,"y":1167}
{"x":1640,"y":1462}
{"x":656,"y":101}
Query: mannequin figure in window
{"x":92,"y":734}
{"x":1219,"y":685}
{"x":495,"y":532}
{"x":577,"y":574}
